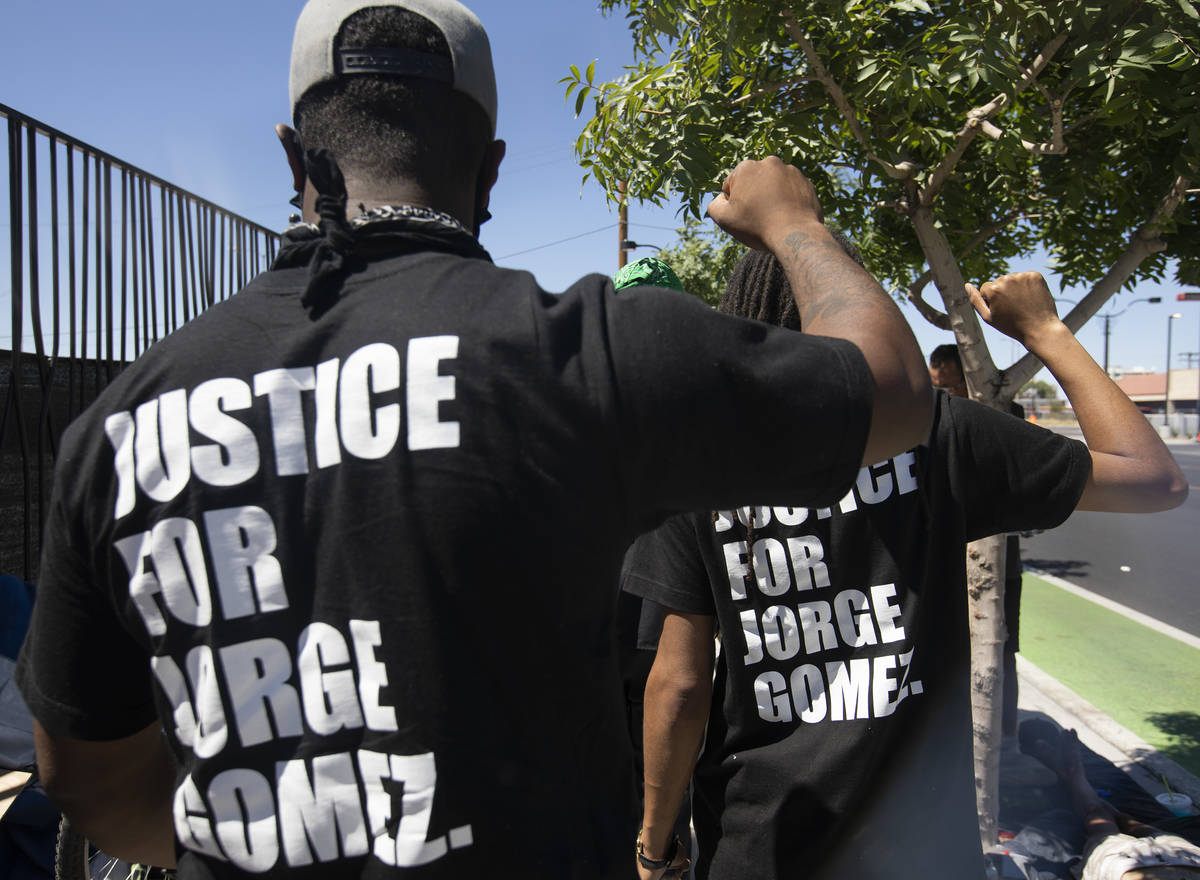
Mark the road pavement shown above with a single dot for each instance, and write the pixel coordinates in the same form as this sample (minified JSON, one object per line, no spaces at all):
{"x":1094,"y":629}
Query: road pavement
{"x":1148,"y":562}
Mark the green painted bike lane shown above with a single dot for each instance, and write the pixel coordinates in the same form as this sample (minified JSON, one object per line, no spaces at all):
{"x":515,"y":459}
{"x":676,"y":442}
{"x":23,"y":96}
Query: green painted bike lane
{"x":1144,"y":680}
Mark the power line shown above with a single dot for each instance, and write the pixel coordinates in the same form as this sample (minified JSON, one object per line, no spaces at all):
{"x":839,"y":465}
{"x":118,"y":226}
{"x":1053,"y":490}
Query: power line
{"x":650,"y":226}
{"x":553,"y":243}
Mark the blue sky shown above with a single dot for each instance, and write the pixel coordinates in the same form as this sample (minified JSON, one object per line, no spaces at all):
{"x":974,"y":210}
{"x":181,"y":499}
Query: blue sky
{"x":190,"y":92}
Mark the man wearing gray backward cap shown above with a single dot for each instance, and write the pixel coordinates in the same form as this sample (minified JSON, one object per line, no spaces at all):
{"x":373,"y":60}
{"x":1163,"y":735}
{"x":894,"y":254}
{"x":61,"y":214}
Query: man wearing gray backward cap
{"x":329,"y":574}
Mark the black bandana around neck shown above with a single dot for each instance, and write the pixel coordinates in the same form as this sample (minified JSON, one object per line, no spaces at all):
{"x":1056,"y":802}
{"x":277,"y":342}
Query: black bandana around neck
{"x":335,"y":247}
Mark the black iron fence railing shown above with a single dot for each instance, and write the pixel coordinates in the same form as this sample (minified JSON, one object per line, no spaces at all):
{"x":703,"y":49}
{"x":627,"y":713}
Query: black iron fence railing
{"x":102,"y":260}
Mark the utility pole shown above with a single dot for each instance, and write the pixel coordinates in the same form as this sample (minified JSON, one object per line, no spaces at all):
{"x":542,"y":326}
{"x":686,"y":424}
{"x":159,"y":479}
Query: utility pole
{"x":1167,"y":392}
{"x":1193,"y":296}
{"x":622,"y":224}
{"x":1110,"y":315}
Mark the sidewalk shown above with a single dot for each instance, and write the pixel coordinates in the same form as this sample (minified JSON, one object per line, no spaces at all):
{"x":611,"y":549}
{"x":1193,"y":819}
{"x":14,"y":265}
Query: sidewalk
{"x":1041,"y":693}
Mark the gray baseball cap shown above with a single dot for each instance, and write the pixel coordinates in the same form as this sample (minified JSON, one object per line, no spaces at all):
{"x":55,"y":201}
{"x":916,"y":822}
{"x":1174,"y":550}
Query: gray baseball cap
{"x":468,"y":70}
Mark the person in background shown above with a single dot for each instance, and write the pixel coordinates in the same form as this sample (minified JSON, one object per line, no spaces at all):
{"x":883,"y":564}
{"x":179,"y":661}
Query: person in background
{"x":835,"y":742}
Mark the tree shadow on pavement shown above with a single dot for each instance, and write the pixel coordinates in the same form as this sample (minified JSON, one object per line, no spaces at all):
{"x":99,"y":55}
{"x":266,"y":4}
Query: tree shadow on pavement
{"x":1184,"y":730}
{"x":1063,"y":568}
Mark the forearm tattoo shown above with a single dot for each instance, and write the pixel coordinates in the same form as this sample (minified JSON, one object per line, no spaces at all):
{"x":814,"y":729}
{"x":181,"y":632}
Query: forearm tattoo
{"x":830,"y":284}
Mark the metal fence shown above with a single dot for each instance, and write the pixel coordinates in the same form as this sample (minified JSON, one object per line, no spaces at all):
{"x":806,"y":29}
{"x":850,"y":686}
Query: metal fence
{"x":103,"y":259}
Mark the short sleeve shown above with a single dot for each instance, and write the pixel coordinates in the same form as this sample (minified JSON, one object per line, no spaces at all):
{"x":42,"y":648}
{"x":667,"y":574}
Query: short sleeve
{"x":718,"y":410}
{"x":667,"y":567}
{"x":79,"y":670}
{"x":1008,"y":474}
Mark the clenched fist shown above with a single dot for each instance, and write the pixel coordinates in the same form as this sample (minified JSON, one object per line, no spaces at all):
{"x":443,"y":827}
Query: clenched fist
{"x":763,"y":199}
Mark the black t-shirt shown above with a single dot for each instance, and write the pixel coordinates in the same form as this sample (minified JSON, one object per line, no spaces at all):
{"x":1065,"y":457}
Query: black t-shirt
{"x":839,"y":745}
{"x":362,"y":566}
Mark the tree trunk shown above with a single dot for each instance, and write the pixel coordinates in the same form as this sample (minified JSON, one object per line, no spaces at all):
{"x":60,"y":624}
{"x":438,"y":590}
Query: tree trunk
{"x":985,"y":592}
{"x":985,"y":558}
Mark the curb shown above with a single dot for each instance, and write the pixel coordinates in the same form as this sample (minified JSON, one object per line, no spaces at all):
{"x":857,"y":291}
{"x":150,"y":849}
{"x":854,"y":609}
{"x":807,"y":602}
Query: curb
{"x":1039,"y":692}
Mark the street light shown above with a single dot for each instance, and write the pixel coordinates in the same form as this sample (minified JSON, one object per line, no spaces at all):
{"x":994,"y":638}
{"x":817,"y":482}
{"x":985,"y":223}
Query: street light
{"x":1110,"y":315}
{"x":1167,"y":392}
{"x":628,"y":245}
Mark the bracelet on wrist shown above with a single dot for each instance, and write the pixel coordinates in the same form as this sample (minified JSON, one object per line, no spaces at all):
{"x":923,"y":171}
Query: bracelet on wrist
{"x":656,"y":864}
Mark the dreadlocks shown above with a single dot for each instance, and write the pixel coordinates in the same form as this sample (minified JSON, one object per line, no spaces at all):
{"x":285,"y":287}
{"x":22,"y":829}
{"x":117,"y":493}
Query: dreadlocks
{"x":759,"y":289}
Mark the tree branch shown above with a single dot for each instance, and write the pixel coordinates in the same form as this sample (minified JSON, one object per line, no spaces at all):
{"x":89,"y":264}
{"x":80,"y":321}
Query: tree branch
{"x":978,"y":367}
{"x":978,"y":115}
{"x":1145,"y":241}
{"x":774,"y":87}
{"x":900,"y":171}
{"x":928,"y":312}
{"x":938,"y":319}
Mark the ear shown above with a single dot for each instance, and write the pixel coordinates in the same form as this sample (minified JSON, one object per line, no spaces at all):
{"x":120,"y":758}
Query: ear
{"x":295,"y":154}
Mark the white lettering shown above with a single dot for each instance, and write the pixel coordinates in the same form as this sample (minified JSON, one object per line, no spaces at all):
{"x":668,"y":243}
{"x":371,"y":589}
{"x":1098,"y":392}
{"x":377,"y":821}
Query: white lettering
{"x":735,"y":565}
{"x":372,"y":675}
{"x":233,"y":457}
{"x":886,"y":613}
{"x":807,"y":555}
{"x":282,"y":389}
{"x":849,"y":685}
{"x":816,"y":621}
{"x":248,"y":577}
{"x":192,"y":825}
{"x":256,"y":673}
{"x":781,"y":633}
{"x":770,"y":567}
{"x":163,"y":469}
{"x":244,"y":809}
{"x":426,"y":389}
{"x":120,"y":431}
{"x":906,"y":477}
{"x":329,"y":446}
{"x":808,"y":693}
{"x":874,"y":488}
{"x":790,"y":516}
{"x":368,"y":433}
{"x":317,"y":814}
{"x":754,"y":648}
{"x":853,"y":614}
{"x":770,"y":691}
{"x":329,"y":696}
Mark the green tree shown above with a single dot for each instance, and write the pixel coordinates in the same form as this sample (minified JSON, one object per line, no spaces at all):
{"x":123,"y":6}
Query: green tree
{"x":702,"y":256}
{"x":1044,"y":390}
{"x":947,"y":138}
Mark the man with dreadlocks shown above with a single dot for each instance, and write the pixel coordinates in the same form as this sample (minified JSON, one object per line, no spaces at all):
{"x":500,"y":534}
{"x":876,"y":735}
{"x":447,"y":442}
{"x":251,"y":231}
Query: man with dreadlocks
{"x":838,"y":742}
{"x":328,"y":578}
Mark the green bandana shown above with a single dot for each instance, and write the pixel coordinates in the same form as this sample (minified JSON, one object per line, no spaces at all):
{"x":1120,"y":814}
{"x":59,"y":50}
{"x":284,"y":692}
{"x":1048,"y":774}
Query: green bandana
{"x":648,"y":271}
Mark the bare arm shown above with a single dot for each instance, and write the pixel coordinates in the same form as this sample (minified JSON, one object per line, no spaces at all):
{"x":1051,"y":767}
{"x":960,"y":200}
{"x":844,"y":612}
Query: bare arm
{"x":117,"y":793}
{"x":1132,"y":469}
{"x":678,"y":694}
{"x":771,"y":206}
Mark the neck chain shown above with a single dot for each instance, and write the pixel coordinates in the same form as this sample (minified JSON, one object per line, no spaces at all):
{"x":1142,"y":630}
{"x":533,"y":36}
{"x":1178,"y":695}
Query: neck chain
{"x":414,"y":213}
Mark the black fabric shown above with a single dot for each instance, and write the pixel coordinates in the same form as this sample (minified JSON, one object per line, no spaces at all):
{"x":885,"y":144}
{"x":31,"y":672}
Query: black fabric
{"x":378,"y":548}
{"x":839,"y":746}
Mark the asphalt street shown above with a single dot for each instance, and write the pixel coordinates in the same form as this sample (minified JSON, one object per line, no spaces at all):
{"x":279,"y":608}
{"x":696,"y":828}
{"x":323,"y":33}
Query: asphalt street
{"x":1148,"y":562}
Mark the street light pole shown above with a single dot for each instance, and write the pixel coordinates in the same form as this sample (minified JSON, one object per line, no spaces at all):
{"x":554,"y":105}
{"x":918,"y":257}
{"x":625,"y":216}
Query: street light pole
{"x":1110,"y":315}
{"x":1167,"y":390}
